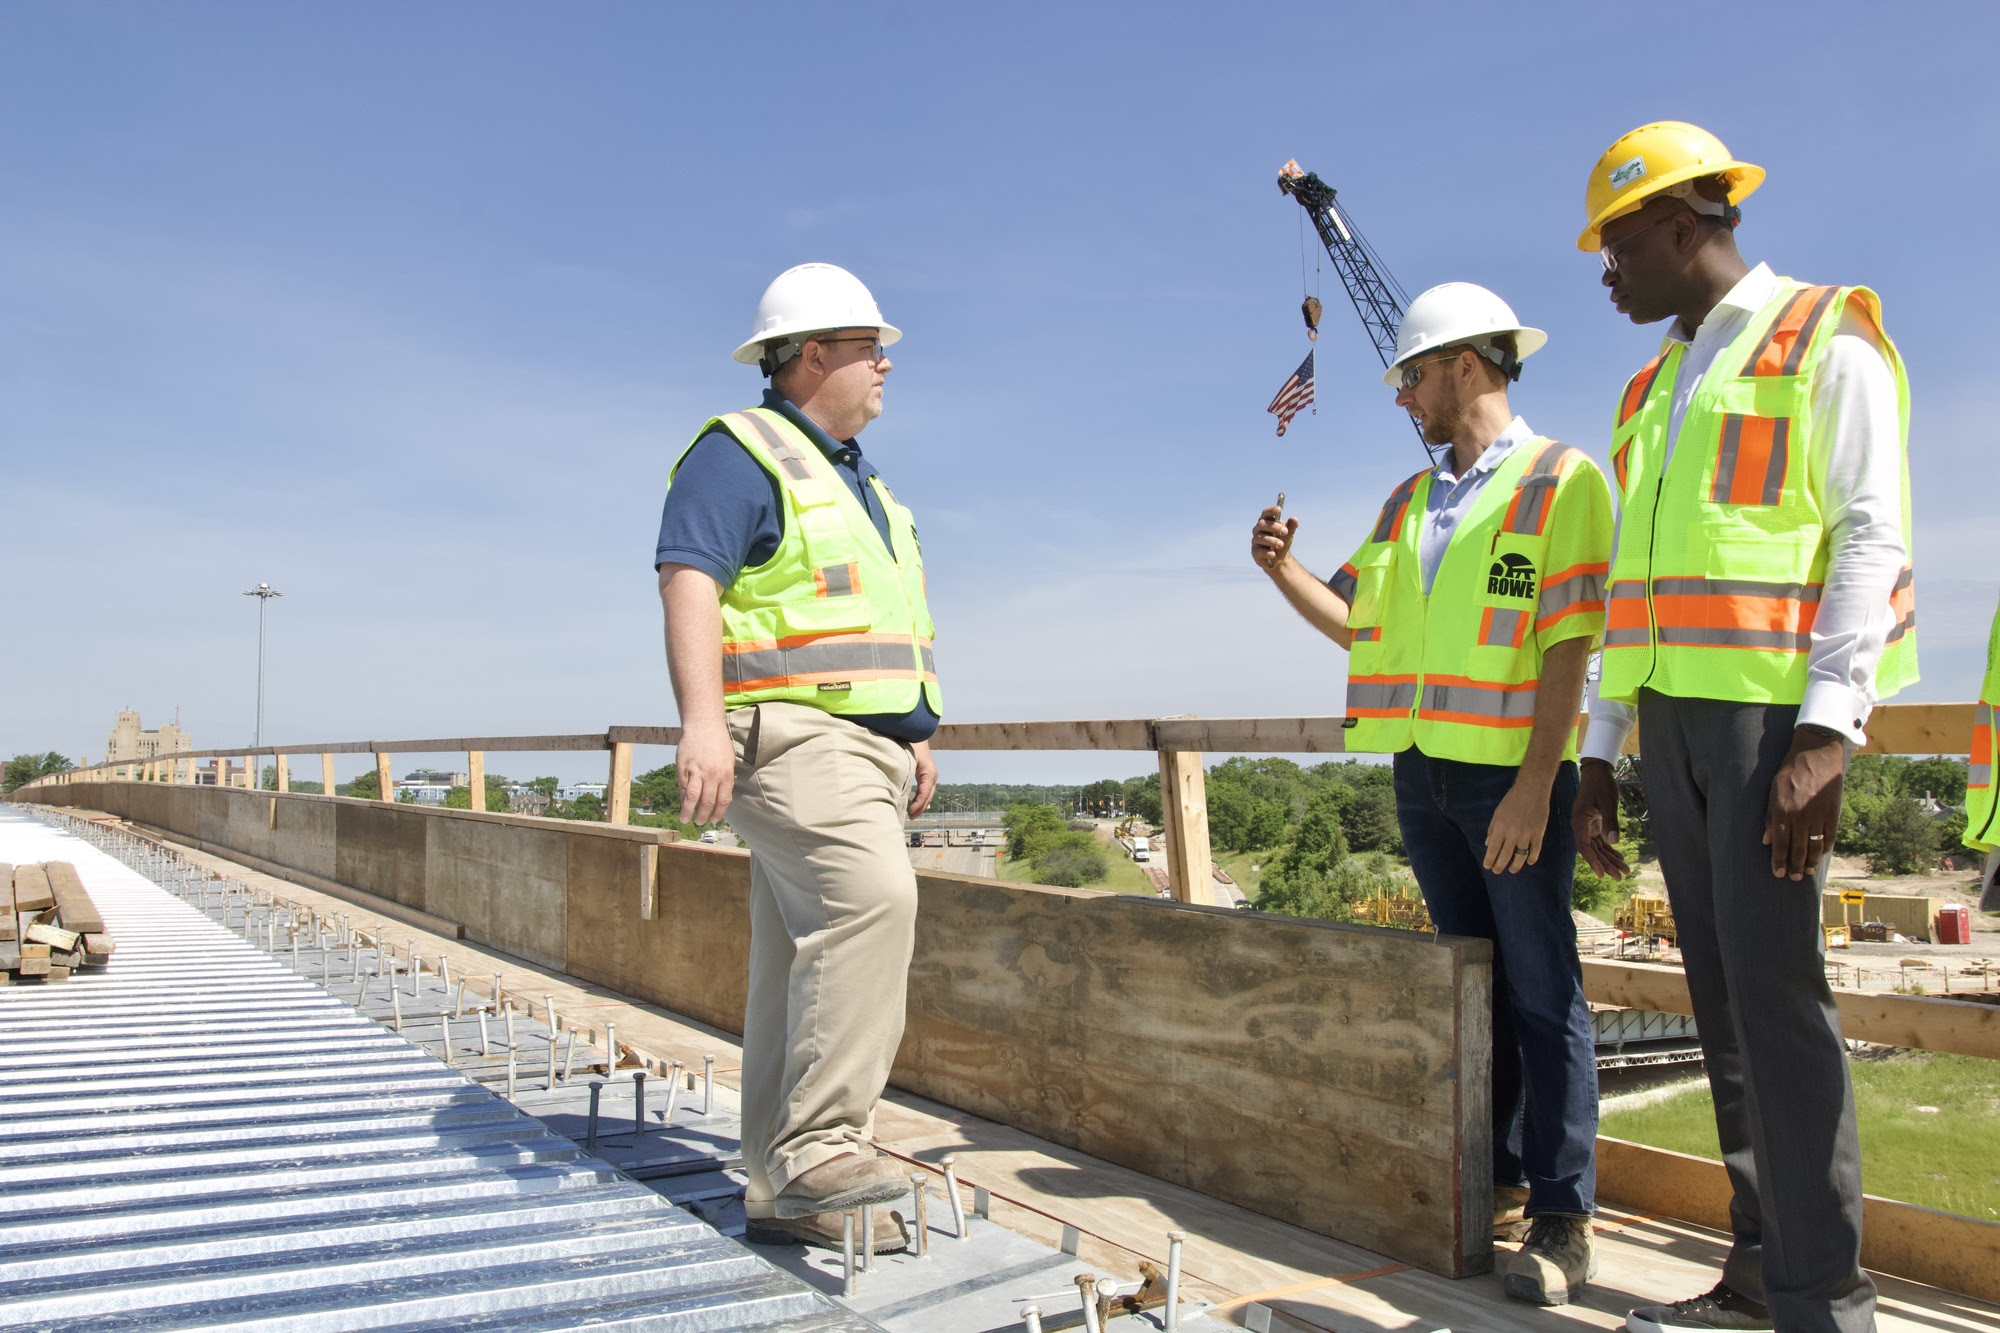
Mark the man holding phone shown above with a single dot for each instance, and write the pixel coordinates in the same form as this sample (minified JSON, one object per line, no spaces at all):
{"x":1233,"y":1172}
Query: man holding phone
{"x":1470,"y":612}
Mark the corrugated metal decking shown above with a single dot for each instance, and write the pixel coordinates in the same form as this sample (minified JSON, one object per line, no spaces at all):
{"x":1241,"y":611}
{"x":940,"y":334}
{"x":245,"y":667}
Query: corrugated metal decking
{"x":200,"y":1138}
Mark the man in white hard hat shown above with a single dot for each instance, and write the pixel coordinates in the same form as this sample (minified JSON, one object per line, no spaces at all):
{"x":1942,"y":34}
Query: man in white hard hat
{"x":1761,"y":604}
{"x":799,"y":643}
{"x":1470,"y":612}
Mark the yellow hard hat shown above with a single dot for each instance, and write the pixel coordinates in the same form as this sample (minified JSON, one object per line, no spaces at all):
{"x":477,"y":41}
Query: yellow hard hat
{"x":1651,"y":160}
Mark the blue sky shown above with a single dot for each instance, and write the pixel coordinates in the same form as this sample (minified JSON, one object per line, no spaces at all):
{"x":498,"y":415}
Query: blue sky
{"x":408,"y":309}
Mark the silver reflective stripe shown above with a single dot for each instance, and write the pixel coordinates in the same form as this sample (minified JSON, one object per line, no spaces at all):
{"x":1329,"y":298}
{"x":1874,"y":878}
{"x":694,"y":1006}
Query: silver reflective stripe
{"x":1627,"y":638}
{"x":1574,"y":589}
{"x":1694,"y":587}
{"x":818,"y":659}
{"x":1980,"y":775}
{"x":789,"y":458}
{"x":1903,"y":580}
{"x":1903,"y":626}
{"x":930,"y":660}
{"x":1392,"y":512}
{"x":839,"y":580}
{"x":1502,"y":629}
{"x":1700,"y":637}
{"x":1479,"y":701}
{"x":1342,"y":583}
{"x":1628,"y":588}
{"x":1537,"y":484}
{"x":1376,"y":696}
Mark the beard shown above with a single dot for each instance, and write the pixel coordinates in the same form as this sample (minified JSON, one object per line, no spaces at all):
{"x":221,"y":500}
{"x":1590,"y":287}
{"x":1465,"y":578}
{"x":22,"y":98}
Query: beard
{"x":1440,"y":426}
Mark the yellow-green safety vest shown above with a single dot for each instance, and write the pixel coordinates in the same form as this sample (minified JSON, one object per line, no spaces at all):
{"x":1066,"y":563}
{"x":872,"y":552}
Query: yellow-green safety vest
{"x":1721,"y":561}
{"x":1455,"y":673}
{"x":834,"y":618}
{"x":1982,"y":811}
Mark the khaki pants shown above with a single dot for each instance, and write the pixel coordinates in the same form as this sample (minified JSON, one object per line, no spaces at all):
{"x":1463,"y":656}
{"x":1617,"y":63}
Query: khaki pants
{"x":833,"y":907}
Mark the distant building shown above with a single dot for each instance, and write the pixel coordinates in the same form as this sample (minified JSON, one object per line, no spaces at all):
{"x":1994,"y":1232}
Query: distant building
{"x":233,"y":774}
{"x":575,"y":790}
{"x":128,"y":742}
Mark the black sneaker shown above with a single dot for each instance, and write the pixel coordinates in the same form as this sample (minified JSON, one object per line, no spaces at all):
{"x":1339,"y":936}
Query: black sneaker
{"x":1721,"y":1308}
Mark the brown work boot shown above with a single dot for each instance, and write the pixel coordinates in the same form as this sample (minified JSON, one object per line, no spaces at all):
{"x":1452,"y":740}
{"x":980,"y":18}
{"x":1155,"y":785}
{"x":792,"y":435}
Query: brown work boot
{"x":851,"y":1180}
{"x":823,"y":1230}
{"x":1510,"y":1213}
{"x":1556,"y":1261}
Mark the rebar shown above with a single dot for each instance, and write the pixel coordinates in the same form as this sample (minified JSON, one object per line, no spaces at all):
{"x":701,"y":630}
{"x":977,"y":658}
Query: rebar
{"x":673,"y":1093}
{"x":510,"y":1024}
{"x":395,"y":1007}
{"x":569,"y":1053}
{"x":868,"y":1239}
{"x":1031,"y":1319}
{"x":549,"y":1006}
{"x":510,"y":1073}
{"x":552,"y":1062}
{"x":458,"y":1005}
{"x":1086,"y":1290}
{"x":596,"y":1090}
{"x":485,"y":1047}
{"x":847,"y":1254}
{"x":707,"y":1084}
{"x":610,"y":1048}
{"x":1173,"y":1310}
{"x":948,"y":1164}
{"x":444,"y":1029}
{"x":920,"y":1187}
{"x":638,"y":1105}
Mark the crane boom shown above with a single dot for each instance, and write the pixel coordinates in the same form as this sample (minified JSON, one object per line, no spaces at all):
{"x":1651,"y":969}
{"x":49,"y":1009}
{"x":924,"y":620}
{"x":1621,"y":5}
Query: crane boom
{"x":1378,"y":298}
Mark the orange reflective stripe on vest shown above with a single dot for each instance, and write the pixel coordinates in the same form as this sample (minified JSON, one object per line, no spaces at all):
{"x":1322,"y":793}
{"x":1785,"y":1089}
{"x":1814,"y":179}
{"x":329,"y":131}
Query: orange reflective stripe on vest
{"x":788,"y":456}
{"x":815,"y":659}
{"x":1501,"y":628}
{"x":1783,"y":349}
{"x":1528,"y":511}
{"x":1580,"y":588}
{"x":1637,"y":388}
{"x":1476,"y":703}
{"x":837,"y":580}
{"x":1735,"y":613}
{"x":1391,"y":520}
{"x":1981,"y":772}
{"x":1903,"y":601}
{"x":1751,"y":460}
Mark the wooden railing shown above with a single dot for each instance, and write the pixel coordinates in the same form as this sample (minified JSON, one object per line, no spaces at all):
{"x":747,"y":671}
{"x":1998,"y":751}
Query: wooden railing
{"x":1180,"y":742}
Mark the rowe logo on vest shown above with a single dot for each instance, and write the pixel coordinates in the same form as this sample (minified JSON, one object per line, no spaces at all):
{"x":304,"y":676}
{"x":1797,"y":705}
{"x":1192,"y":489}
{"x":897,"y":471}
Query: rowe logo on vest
{"x":1511,"y":576}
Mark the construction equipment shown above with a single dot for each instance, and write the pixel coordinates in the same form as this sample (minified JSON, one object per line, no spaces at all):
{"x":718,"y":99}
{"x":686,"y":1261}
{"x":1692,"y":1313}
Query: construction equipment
{"x":1402,"y":909}
{"x":1647,"y":916}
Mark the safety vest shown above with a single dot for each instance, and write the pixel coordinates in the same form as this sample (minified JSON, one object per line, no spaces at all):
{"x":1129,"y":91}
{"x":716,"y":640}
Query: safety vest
{"x":1982,"y":811}
{"x":1721,"y":560}
{"x":834,"y":618}
{"x":1455,"y":673}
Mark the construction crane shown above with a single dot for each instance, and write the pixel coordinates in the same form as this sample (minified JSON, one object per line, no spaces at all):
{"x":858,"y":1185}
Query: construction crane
{"x":1378,"y":298}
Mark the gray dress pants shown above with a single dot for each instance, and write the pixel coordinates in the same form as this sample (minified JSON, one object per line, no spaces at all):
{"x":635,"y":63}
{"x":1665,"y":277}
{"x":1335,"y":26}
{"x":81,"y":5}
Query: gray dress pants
{"x":1770,"y":1035}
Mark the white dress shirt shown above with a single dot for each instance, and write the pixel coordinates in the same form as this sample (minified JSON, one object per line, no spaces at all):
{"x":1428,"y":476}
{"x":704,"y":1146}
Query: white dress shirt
{"x":1856,"y":466}
{"x":1451,"y":497}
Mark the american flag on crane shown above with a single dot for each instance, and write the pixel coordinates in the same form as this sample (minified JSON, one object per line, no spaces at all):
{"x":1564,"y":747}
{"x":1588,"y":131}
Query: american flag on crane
{"x":1295,"y":396}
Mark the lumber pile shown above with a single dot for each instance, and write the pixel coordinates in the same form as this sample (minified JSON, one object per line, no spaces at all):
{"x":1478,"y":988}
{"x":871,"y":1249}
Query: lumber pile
{"x":49,"y":927}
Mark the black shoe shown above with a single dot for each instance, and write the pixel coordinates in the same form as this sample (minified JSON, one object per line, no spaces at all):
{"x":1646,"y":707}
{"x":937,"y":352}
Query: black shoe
{"x":1721,"y":1308}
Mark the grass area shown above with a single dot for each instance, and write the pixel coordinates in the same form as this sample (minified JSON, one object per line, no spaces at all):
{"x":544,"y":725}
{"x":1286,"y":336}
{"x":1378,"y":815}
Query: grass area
{"x":1237,"y":866}
{"x":1948,"y":1158}
{"x":1127,"y":875}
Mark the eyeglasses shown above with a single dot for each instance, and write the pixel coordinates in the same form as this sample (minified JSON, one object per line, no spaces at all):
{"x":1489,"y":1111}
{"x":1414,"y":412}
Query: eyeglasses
{"x":1609,"y":253}
{"x":1413,"y":374}
{"x":874,"y":351}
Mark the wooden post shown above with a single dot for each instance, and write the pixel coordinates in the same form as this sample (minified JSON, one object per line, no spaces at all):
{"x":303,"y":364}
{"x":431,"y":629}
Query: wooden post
{"x":385,"y":784}
{"x":1184,"y":805}
{"x":475,"y":777}
{"x":326,"y":775}
{"x":252,"y":778}
{"x":619,"y":796}
{"x":284,"y":773}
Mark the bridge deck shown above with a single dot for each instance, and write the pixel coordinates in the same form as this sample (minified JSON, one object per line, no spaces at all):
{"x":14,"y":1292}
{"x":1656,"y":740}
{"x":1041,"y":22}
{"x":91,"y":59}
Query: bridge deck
{"x":198,"y":1137}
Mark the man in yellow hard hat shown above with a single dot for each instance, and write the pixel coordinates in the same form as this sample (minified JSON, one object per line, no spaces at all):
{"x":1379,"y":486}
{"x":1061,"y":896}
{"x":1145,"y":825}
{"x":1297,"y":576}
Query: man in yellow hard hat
{"x":799,"y":642}
{"x":1761,"y":604}
{"x":1470,"y":612}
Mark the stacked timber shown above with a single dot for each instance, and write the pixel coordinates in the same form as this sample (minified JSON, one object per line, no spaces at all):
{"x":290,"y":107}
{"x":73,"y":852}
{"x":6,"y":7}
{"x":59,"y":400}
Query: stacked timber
{"x":49,"y":927}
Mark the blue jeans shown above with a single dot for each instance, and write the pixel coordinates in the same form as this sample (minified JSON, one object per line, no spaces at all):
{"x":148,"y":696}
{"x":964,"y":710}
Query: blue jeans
{"x":1544,"y":1057}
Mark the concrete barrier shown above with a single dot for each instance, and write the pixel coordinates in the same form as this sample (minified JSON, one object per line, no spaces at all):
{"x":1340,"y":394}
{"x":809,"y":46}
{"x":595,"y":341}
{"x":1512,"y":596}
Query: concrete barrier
{"x":1332,"y":1076}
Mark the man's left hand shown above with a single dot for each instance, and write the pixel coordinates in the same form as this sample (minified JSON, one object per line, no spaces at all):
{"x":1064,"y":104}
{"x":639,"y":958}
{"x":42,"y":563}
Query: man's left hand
{"x":1514,"y":838}
{"x":1803,"y":812}
{"x":926,"y":778}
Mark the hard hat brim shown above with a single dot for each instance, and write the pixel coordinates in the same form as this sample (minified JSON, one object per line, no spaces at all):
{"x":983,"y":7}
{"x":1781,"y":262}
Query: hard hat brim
{"x":752,"y":352}
{"x":1527,"y":342}
{"x":1744,"y":178}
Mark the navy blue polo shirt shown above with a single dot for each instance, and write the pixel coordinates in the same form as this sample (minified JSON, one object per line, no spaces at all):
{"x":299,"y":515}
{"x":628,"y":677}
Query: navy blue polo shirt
{"x":724,"y":514}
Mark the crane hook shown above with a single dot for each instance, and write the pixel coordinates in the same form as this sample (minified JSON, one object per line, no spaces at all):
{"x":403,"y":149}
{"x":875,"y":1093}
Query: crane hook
{"x":1310,"y":308}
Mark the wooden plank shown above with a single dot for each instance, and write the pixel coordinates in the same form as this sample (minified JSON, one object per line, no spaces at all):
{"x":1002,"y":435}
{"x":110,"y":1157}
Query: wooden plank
{"x":326,"y":774}
{"x":1920,"y":729}
{"x":1254,"y":735}
{"x":74,"y":908}
{"x":1128,"y":734}
{"x":31,"y":889}
{"x":1945,"y":1250}
{"x":58,"y":939}
{"x":475,"y":778}
{"x":8,"y":930}
{"x":1184,"y":803}
{"x":10,"y":956}
{"x":619,"y":789}
{"x":644,"y":736}
{"x":1922,"y":1022}
{"x":385,"y":785}
{"x":284,"y":772}
{"x":99,"y":946}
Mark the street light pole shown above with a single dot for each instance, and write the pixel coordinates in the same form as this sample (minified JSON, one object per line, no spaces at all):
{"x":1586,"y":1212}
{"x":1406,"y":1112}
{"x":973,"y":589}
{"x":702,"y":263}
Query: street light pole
{"x":263,"y":592}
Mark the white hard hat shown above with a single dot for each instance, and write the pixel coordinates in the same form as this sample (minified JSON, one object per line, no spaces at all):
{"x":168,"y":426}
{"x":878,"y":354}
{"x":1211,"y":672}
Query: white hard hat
{"x":809,"y":299}
{"x":1459,"y":312}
